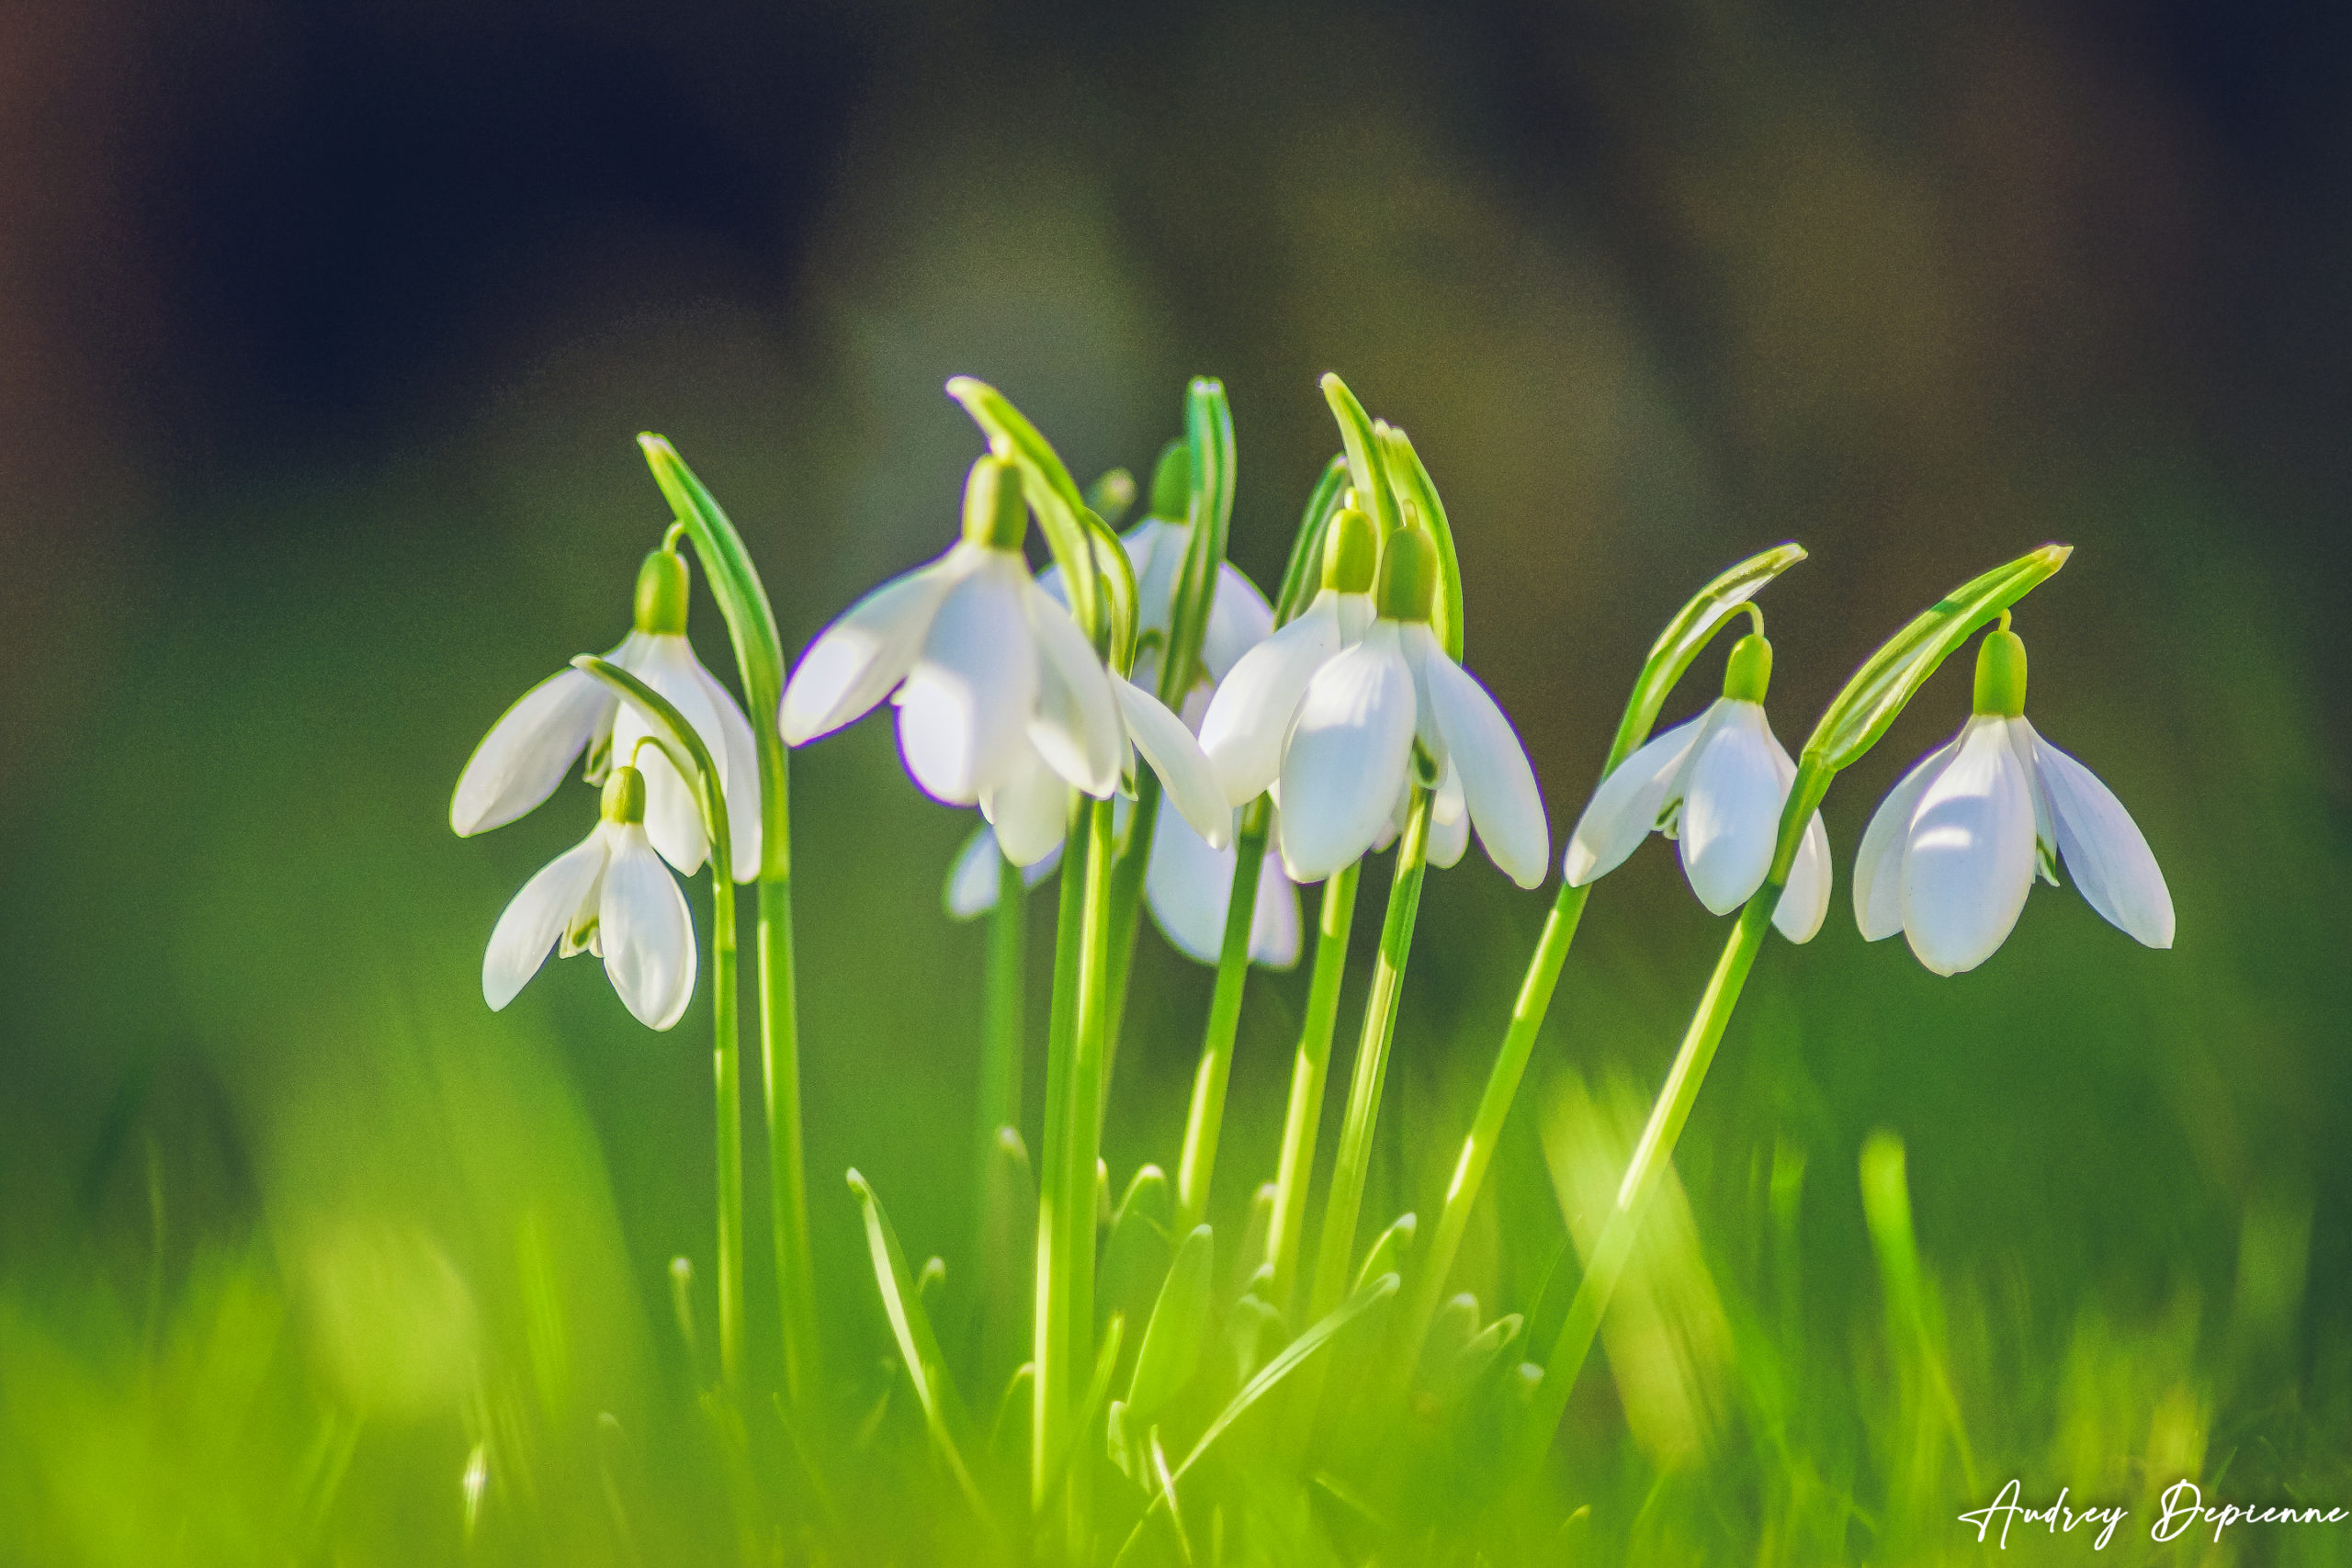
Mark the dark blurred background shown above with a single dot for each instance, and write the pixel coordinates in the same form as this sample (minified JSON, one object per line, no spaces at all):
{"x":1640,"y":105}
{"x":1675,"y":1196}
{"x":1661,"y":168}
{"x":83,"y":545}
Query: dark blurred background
{"x":325,"y":330}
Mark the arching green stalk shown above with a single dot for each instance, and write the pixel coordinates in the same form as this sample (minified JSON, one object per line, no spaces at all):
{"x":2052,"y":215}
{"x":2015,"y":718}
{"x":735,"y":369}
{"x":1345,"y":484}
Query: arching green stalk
{"x":687,"y":753}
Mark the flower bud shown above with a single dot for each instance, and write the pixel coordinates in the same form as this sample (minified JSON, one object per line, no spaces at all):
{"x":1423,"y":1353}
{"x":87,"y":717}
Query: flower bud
{"x":1351,"y":553}
{"x":625,"y":796}
{"x":2000,"y":674}
{"x":661,"y":585}
{"x":1748,"y":671}
{"x":1408,"y":576}
{"x":995,"y":517}
{"x":1171,"y":483}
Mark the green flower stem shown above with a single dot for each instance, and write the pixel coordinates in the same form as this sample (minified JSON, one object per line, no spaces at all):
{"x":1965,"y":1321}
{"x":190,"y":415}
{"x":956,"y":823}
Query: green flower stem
{"x":1303,"y":1120}
{"x":1049,"y":1320}
{"x":1493,"y":1106}
{"x":1001,"y":1050}
{"x":1335,"y":1252}
{"x":1126,"y":917}
{"x":1655,"y":1150}
{"x":758,"y":659}
{"x":1206,"y":1118}
{"x":687,"y":753}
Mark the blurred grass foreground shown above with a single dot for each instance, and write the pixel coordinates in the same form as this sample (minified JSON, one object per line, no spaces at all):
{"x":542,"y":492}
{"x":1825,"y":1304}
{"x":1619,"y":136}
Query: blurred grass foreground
{"x":322,"y":340}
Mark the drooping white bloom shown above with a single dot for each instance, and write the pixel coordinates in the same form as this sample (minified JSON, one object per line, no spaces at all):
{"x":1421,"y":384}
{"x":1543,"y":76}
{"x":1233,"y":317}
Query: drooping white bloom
{"x":1248,"y":720}
{"x":532,"y":746}
{"x":610,"y":895}
{"x":1717,"y":785}
{"x":1344,"y":759}
{"x":1952,"y":850}
{"x":997,"y":693}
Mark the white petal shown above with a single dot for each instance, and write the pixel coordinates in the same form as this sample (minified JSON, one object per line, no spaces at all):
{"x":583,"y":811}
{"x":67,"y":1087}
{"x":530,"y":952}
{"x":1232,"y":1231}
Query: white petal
{"x":1968,"y":859}
{"x":1273,"y":928}
{"x":966,"y":704}
{"x":1346,"y":756}
{"x":2045,"y":823}
{"x":1177,"y":758}
{"x":2104,"y":851}
{"x":1624,"y":809}
{"x":1356,"y":614}
{"x":856,"y":662}
{"x":1731,"y":809}
{"x":1804,"y":903}
{"x":1240,"y":619}
{"x":739,"y":771}
{"x":1156,"y":550}
{"x":1030,"y":809}
{"x":1498,"y":783}
{"x":972,"y":883}
{"x":1878,"y":864}
{"x":535,"y":918}
{"x":647,"y":937}
{"x":672,"y":809}
{"x":1247,"y":720}
{"x":524,"y":757}
{"x":1187,"y":886}
{"x":1076,"y":723}
{"x":1448,"y":821}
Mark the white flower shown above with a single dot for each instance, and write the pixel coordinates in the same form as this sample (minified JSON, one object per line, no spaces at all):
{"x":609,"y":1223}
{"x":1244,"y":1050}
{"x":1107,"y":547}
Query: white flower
{"x":531,"y":746}
{"x":1953,"y":849}
{"x":1344,"y":761}
{"x":1717,"y":785}
{"x":998,"y":691}
{"x":1249,"y":719}
{"x":610,"y":895}
{"x":1240,"y":617}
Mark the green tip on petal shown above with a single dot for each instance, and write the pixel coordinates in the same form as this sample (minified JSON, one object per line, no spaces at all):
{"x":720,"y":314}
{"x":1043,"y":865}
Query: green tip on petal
{"x":2000,"y":674}
{"x":625,"y":796}
{"x":662,"y":584}
{"x":1748,"y":674}
{"x":1351,"y":553}
{"x":1408,"y":575}
{"x":1171,"y":483}
{"x":995,"y":517}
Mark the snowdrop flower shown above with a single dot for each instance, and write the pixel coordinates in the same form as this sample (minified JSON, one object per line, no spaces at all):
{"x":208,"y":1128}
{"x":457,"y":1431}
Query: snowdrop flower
{"x":1954,"y":848}
{"x":527,"y":751}
{"x":610,"y":895}
{"x":1717,"y":785}
{"x":1249,"y":719}
{"x":1363,"y":713}
{"x":1001,"y":701}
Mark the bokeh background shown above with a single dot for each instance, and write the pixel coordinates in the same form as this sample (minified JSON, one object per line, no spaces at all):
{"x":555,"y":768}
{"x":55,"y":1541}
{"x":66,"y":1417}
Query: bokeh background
{"x":324,"y":334}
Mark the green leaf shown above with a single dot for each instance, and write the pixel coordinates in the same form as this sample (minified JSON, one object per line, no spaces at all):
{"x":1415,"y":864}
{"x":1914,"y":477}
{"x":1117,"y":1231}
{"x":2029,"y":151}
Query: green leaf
{"x":918,"y":1346}
{"x":751,"y":627}
{"x":1293,"y":1356}
{"x":1302,"y":578}
{"x":1883,"y":685}
{"x":1171,"y":1340}
{"x":1208,"y":440}
{"x":1252,"y":1323}
{"x":1009,"y":1435}
{"x":1388,"y":1254}
{"x":1098,"y":1394}
{"x":1689,"y":631}
{"x":1412,"y":481}
{"x":1367,"y":459}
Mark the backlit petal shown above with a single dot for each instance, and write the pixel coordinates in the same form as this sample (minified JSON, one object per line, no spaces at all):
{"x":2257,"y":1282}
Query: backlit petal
{"x":1878,"y":864}
{"x":673,"y":811}
{"x":1076,"y":725}
{"x":524,"y":755}
{"x":965,"y":705}
{"x":519,"y":943}
{"x":1498,"y":783}
{"x":856,"y":662}
{"x":1249,"y":717}
{"x":647,"y":936}
{"x":1240,"y":619}
{"x":1968,"y":859}
{"x":1624,"y":809}
{"x":1448,"y":821}
{"x":2103,"y":848}
{"x":1187,"y":886}
{"x":1177,"y":758}
{"x":1030,"y":809}
{"x":1731,"y":809}
{"x":1346,"y":756}
{"x":738,"y":769}
{"x":1804,"y":903}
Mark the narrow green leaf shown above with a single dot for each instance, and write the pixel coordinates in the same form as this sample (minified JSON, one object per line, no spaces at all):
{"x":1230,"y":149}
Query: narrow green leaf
{"x":1879,"y":689}
{"x":1171,"y":1340}
{"x":1388,"y":1254}
{"x":1412,"y":481}
{"x":1302,"y":578}
{"x":1168,"y":1491}
{"x":1367,"y":461}
{"x":911,"y":1327}
{"x":1251,"y":1326}
{"x":1009,"y":1434}
{"x":1208,"y":440}
{"x":1098,"y":1395}
{"x":1688,"y":632}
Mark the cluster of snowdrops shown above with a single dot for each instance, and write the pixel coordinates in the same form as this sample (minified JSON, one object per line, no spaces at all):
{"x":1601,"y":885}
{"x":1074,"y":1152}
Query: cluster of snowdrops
{"x":1142,"y":713}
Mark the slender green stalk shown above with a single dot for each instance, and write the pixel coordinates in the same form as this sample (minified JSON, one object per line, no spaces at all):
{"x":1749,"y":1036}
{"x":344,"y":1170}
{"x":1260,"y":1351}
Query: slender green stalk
{"x":1301,"y":1122}
{"x":1049,"y":1319}
{"x":1083,"y":1141}
{"x":1000,"y":1048}
{"x":1206,"y":1117}
{"x":1651,"y":1156}
{"x":1127,"y":915}
{"x":1335,"y":1251}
